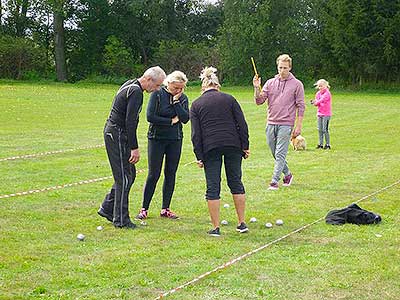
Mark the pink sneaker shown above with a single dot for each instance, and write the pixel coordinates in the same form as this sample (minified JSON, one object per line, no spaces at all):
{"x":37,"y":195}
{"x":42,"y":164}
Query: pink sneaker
{"x":273,"y":186}
{"x":166,"y":213}
{"x":287,"y":180}
{"x":142,"y":214}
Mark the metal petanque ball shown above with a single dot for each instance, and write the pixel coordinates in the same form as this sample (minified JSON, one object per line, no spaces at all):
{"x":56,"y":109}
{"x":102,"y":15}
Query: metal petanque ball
{"x":224,"y":222}
{"x":226,"y":205}
{"x":80,"y":237}
{"x":268,"y":225}
{"x":279,"y":222}
{"x":99,"y":228}
{"x":253,"y":220}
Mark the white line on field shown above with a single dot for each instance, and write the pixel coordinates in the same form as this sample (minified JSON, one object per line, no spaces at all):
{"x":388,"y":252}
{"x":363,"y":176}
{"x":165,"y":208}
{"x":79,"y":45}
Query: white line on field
{"x":58,"y":187}
{"x":237,"y":259}
{"x":49,"y":152}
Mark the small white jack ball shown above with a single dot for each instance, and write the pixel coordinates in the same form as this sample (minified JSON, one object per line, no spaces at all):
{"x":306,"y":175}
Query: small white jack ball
{"x":99,"y":228}
{"x":226,"y":205}
{"x":224,"y":222}
{"x":143,"y":223}
{"x":253,"y":220}
{"x":279,"y":222}
{"x":80,"y":237}
{"x":268,"y":225}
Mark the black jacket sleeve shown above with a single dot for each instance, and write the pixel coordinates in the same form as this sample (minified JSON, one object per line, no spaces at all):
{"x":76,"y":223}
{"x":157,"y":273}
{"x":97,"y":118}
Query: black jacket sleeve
{"x":133,"y":109}
{"x":241,"y":125}
{"x":152,"y":115}
{"x":196,"y":134}
{"x":182,"y":109}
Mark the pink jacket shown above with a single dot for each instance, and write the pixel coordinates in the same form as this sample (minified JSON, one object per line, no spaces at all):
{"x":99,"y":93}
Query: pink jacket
{"x":323,"y":100}
{"x":285,"y":97}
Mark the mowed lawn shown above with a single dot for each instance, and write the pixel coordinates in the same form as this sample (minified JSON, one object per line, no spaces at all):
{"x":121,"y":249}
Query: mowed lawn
{"x":40,"y":257}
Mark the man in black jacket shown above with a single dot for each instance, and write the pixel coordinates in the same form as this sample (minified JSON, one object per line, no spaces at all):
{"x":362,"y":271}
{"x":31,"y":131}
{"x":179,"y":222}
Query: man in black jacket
{"x":122,"y":145}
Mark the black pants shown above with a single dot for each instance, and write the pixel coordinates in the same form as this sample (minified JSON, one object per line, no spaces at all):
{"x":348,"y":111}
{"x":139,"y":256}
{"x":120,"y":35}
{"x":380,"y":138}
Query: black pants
{"x":233,"y":169}
{"x":116,"y":201}
{"x":156,"y":150}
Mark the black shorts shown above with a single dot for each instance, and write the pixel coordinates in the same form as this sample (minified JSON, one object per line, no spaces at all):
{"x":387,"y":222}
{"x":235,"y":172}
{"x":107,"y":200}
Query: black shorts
{"x":232,"y":158}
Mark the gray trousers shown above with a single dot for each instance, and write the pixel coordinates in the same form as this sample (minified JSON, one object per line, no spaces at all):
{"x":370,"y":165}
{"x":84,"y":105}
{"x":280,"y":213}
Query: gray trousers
{"x":278,"y":139}
{"x":323,"y":130}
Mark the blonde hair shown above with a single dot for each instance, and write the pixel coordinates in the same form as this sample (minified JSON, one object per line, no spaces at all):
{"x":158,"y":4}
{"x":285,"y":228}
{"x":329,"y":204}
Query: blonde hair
{"x":284,"y":58}
{"x":323,"y":82}
{"x":209,"y":77}
{"x":176,"y":76}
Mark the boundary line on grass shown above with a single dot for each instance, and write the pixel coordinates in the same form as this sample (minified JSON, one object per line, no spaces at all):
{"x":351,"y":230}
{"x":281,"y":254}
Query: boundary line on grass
{"x":58,"y":187}
{"x":237,"y":259}
{"x":49,"y":153}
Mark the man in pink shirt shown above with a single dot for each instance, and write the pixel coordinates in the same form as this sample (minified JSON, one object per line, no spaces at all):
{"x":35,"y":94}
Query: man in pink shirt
{"x":285,"y":98}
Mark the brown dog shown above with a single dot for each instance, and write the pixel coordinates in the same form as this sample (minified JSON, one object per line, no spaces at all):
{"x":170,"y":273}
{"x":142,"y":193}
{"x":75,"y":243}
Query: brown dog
{"x":298,"y":143}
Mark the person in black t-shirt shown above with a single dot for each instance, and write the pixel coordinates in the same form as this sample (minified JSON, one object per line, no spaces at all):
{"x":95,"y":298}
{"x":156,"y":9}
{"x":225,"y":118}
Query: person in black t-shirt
{"x":220,"y":134}
{"x":167,"y":110}
{"x":122,"y":145}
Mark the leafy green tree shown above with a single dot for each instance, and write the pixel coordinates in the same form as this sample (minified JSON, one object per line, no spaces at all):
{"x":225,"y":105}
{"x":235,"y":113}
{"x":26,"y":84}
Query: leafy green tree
{"x":117,"y":58}
{"x":363,"y":36}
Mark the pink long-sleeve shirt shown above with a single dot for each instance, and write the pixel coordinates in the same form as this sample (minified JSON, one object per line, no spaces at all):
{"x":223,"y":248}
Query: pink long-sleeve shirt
{"x":285,"y":97}
{"x":323,"y":100}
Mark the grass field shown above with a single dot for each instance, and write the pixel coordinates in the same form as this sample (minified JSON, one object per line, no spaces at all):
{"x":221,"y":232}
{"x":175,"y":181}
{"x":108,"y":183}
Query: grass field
{"x":40,"y":257}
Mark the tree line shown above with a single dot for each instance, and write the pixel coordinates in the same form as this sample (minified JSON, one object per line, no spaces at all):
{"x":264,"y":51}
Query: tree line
{"x":348,"y":41}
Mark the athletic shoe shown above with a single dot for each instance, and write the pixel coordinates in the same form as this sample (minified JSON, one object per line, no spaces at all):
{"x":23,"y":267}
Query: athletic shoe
{"x":214,"y":232}
{"x":129,"y":225}
{"x":166,"y":213}
{"x":273,"y":186}
{"x":242,"y":228}
{"x":319,"y":147}
{"x":327,"y":147}
{"x":142,"y":214}
{"x":287,"y":180}
{"x":103,"y":214}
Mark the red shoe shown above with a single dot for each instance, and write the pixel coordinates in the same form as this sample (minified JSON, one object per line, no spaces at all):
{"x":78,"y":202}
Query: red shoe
{"x":273,"y":186}
{"x":166,"y":213}
{"x":142,"y":214}
{"x":287,"y":180}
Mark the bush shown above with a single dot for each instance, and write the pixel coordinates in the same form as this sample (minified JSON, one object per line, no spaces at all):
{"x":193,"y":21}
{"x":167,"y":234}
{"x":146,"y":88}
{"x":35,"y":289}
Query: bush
{"x":21,"y":58}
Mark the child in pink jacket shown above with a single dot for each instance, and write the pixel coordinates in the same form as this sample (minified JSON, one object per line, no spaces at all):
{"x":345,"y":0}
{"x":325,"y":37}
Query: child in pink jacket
{"x":323,"y":100}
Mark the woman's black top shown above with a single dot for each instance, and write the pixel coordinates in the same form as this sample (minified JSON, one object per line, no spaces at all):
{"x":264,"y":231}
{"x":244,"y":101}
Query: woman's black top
{"x":160,"y":111}
{"x":217,"y":121}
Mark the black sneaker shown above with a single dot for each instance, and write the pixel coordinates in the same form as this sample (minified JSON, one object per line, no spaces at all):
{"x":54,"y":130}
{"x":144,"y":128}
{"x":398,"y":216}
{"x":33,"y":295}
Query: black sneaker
{"x":127,"y":226}
{"x":319,"y":147}
{"x":242,"y":228}
{"x":214,"y":232}
{"x":327,"y":147}
{"x":103,"y":214}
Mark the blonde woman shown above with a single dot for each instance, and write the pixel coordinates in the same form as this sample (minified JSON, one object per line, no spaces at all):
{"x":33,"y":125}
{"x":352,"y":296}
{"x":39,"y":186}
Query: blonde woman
{"x":220,"y":134}
{"x":167,"y":110}
{"x":323,"y":100}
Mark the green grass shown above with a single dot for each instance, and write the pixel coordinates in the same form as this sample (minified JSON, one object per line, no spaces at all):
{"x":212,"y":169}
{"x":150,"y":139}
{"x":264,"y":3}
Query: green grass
{"x":40,"y":257}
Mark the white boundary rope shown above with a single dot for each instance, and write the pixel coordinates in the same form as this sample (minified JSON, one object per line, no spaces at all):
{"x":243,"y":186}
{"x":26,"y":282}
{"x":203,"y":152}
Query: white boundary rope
{"x":49,"y":153}
{"x":237,"y":259}
{"x":58,"y":187}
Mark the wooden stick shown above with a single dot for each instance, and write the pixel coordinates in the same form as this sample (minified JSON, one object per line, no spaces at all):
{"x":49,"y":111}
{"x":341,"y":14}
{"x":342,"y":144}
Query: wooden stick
{"x":255,"y":70}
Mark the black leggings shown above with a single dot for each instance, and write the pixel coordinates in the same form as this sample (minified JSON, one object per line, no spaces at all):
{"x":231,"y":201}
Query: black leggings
{"x":156,"y":150}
